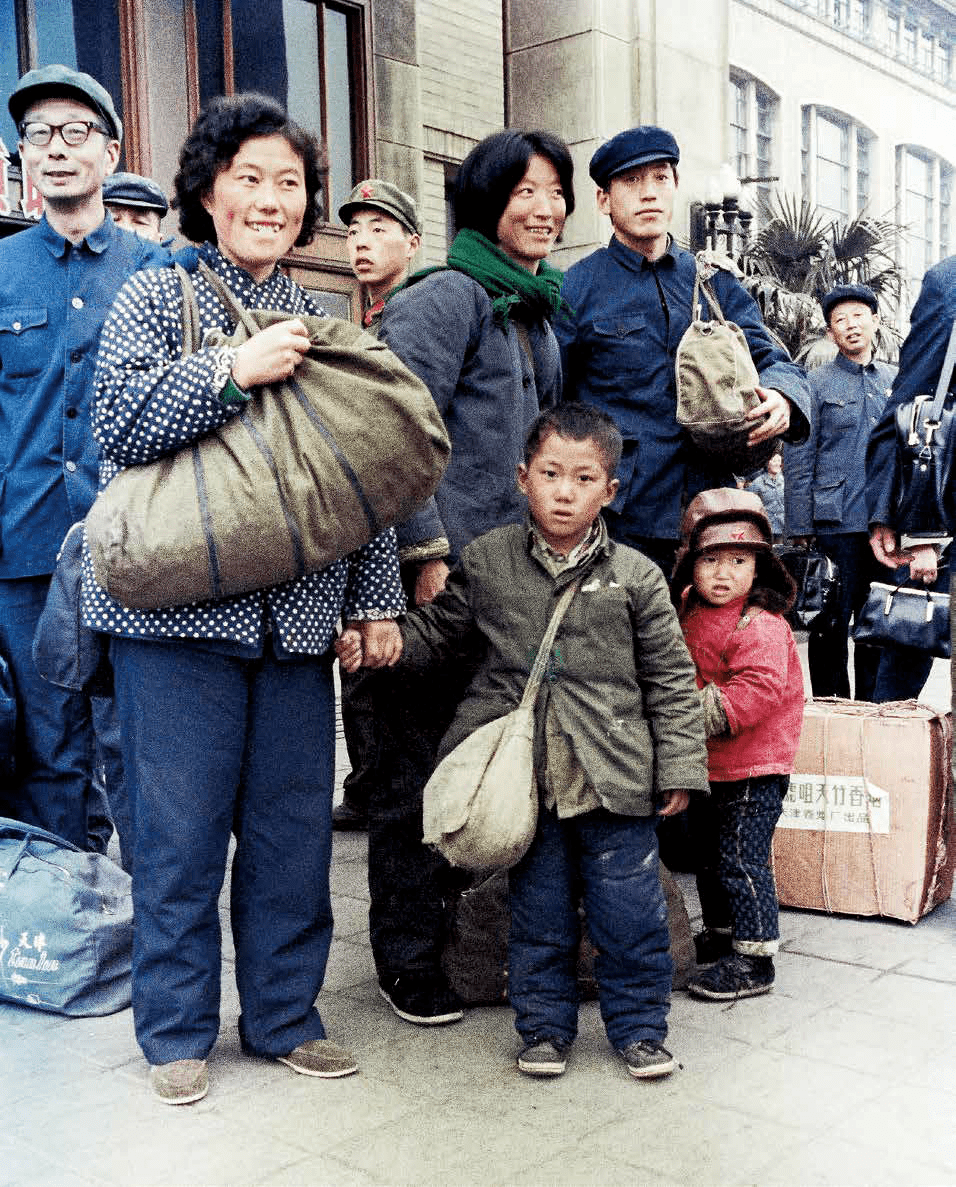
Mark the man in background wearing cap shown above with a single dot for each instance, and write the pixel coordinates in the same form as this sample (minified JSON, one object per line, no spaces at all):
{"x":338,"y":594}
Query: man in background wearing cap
{"x":384,"y":235}
{"x":58,"y":280}
{"x":136,"y":203}
{"x":632,"y":305}
{"x":825,"y":492}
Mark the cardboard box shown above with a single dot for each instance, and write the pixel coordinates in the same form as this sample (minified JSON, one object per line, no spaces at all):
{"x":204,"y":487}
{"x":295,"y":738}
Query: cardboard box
{"x":867,"y":825}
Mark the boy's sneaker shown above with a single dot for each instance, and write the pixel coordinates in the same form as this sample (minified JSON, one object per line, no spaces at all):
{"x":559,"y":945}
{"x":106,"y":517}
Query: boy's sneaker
{"x":710,"y":945}
{"x":543,"y":1059}
{"x":422,"y":999}
{"x":647,"y":1059}
{"x":734,"y":976}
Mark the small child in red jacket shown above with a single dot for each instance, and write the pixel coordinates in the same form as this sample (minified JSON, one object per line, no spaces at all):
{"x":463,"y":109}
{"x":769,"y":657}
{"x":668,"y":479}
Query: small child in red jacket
{"x":732,"y":594}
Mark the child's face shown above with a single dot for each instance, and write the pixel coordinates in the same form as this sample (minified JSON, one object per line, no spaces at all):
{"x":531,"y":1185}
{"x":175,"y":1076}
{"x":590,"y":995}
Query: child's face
{"x":567,"y":484}
{"x":724,"y":574}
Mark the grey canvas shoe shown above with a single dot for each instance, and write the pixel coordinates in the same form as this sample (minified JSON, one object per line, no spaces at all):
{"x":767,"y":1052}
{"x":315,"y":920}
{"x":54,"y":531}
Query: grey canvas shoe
{"x":320,"y":1057}
{"x":179,"y":1083}
{"x":647,"y":1059}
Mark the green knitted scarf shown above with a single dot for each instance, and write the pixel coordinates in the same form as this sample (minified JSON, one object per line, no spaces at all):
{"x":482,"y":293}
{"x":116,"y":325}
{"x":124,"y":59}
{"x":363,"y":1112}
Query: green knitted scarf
{"x":507,"y":283}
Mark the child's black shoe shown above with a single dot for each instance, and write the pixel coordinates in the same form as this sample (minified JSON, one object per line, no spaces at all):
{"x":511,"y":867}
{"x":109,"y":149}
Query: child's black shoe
{"x":734,"y":976}
{"x":710,"y":945}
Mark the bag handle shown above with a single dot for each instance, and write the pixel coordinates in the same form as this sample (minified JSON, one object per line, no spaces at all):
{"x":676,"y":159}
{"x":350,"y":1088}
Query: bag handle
{"x":701,"y":286}
{"x":192,"y":332}
{"x":28,"y":832}
{"x":935,"y":411}
{"x":544,"y":651}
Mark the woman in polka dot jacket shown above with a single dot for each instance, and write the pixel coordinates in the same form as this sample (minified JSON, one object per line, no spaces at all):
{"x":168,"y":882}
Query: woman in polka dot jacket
{"x":227,"y":707}
{"x":733,"y":592}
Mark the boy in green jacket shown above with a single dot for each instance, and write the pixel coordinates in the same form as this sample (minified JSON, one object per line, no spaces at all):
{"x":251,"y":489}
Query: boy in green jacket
{"x":619,"y":738}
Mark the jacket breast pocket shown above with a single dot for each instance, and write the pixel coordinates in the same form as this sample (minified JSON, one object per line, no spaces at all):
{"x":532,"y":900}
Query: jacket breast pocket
{"x":22,"y":339}
{"x":838,"y":415}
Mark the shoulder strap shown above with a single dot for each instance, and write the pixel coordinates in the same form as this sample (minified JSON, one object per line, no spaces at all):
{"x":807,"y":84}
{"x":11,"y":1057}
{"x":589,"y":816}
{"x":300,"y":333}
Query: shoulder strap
{"x":945,"y":377}
{"x":544,"y":651}
{"x":225,"y":294}
{"x":192,"y":335}
{"x":702,"y":286}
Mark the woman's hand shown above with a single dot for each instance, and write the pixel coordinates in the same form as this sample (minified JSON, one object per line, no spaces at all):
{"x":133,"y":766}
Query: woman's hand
{"x":772,"y":416}
{"x":430,"y":581}
{"x":271,"y":355}
{"x":886,"y":545}
{"x":381,"y":643}
{"x":923,"y":563}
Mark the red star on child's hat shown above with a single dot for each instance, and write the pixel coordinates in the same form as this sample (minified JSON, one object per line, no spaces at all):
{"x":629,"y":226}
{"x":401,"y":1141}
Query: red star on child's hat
{"x":367,"y":191}
{"x":738,"y":535}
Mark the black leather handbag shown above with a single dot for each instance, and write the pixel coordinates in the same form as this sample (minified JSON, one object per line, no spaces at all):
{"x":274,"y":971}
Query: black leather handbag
{"x":924,"y":445}
{"x":818,"y":587}
{"x":901,"y":616}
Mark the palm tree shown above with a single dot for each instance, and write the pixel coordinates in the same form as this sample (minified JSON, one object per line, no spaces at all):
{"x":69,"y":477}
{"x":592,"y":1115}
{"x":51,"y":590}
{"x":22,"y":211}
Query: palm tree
{"x":800,"y":253}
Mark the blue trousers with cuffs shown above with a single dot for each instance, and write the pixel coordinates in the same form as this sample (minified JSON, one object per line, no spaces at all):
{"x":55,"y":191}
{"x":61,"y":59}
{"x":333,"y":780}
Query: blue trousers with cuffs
{"x":611,"y":863}
{"x":215,"y":745}
{"x":732,"y":830}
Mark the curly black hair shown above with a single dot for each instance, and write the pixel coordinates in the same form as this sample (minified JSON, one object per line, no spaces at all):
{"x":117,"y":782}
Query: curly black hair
{"x":495,"y":166}
{"x":224,"y":125}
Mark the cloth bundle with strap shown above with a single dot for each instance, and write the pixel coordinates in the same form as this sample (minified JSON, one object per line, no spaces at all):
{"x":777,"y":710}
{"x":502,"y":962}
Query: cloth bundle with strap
{"x":310,"y":470}
{"x":481,"y":804}
{"x":717,"y":384}
{"x":924,"y":446}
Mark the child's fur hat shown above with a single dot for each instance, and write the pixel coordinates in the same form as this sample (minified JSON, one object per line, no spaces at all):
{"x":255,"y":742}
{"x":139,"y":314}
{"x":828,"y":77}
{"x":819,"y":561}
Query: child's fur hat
{"x":726,"y":516}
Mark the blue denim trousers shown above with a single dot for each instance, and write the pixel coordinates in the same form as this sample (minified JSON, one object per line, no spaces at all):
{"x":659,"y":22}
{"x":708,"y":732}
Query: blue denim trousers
{"x":214,"y":744}
{"x":610,"y":863}
{"x":732,"y":829}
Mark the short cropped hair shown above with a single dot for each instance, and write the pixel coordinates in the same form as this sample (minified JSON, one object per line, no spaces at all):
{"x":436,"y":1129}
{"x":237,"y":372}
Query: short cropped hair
{"x":492,"y":170}
{"x":577,"y":422}
{"x":226,"y":123}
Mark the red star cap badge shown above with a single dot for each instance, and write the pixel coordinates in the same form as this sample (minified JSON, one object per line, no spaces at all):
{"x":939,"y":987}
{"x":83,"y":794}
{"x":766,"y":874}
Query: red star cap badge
{"x":368,"y":191}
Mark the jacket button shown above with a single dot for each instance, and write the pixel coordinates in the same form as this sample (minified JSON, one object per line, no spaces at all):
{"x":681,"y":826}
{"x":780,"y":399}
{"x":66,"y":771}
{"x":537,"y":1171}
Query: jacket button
{"x":77,"y":302}
{"x":75,"y":356}
{"x":17,"y":326}
{"x":71,"y":467}
{"x":71,"y":414}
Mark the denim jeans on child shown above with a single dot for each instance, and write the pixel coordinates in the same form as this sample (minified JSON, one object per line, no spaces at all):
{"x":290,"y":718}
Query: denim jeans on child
{"x":610,"y":863}
{"x":732,"y":829}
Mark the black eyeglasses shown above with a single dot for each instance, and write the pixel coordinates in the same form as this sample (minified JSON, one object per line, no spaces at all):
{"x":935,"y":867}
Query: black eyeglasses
{"x":74,"y":133}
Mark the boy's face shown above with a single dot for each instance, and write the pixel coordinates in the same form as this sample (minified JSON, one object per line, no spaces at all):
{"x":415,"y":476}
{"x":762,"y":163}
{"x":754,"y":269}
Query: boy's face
{"x":567,"y":484}
{"x":380,"y":250}
{"x":640,"y":203}
{"x":724,"y":574}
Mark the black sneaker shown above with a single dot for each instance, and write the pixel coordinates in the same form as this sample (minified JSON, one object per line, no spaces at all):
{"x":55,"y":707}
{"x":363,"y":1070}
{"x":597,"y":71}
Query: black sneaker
{"x":710,"y":945}
{"x":647,"y":1059}
{"x":422,"y":999}
{"x":546,"y":1058}
{"x":734,"y":976}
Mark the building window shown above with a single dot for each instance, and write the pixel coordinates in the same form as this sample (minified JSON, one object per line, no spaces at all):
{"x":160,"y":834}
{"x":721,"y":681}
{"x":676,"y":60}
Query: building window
{"x":924,"y":199}
{"x":753,"y":113}
{"x":836,"y":163}
{"x":80,"y":34}
{"x":310,"y":56}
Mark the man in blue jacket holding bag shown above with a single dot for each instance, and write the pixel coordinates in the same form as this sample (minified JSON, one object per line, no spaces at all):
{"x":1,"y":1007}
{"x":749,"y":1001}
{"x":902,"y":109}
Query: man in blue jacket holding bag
{"x":57,"y":283}
{"x":631,"y":304}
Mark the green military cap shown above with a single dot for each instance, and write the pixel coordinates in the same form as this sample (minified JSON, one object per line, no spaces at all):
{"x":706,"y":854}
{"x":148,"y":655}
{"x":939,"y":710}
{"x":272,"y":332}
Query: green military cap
{"x":382,"y":195}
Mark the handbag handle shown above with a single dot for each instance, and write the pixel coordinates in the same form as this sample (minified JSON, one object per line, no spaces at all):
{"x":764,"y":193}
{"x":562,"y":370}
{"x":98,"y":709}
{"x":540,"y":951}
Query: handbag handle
{"x":935,"y":410}
{"x":701,"y":286}
{"x":908,"y":591}
{"x":530,"y":693}
{"x":28,"y":832}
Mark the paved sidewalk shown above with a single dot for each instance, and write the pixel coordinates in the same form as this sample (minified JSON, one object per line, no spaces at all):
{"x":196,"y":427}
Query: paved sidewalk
{"x":845,"y":1074}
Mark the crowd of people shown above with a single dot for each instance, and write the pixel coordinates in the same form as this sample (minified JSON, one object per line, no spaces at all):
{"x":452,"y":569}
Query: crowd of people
{"x":674,"y":684}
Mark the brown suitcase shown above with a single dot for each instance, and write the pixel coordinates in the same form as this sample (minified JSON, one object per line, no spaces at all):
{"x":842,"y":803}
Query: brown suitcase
{"x":867,"y":826}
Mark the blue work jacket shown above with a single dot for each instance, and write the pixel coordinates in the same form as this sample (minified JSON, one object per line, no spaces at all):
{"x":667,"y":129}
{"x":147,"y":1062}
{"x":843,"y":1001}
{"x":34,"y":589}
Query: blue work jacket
{"x":618,"y":351}
{"x":921,"y":360}
{"x":826,"y":475}
{"x":54,"y":298}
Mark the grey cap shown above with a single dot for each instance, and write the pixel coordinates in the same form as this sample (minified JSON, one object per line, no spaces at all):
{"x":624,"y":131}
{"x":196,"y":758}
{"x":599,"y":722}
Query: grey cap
{"x":129,"y":189}
{"x":382,"y":195}
{"x":848,"y":292}
{"x":58,"y":81}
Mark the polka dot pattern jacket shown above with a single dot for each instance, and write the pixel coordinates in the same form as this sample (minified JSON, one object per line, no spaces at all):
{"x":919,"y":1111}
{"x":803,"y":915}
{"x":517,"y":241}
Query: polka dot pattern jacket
{"x":149,"y":402}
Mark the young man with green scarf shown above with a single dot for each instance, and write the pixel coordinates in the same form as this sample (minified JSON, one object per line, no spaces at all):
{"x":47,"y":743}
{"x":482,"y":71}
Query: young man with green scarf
{"x":478,"y":333}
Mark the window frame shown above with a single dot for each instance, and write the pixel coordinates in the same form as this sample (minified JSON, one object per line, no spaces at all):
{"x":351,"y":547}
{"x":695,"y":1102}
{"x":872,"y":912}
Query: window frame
{"x":856,"y":134}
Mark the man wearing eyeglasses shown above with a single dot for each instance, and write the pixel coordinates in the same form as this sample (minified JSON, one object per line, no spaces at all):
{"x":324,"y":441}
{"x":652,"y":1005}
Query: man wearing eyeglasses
{"x":57,"y":283}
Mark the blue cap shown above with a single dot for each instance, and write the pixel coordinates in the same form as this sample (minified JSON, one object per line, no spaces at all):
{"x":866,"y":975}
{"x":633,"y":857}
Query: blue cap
{"x":129,"y":189}
{"x":848,"y":292}
{"x":626,"y":150}
{"x":57,"y":82}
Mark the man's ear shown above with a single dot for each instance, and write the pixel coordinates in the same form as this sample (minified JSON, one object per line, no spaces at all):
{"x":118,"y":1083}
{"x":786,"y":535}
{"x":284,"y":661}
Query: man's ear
{"x":830,"y":334}
{"x":603,"y":201}
{"x":112,"y":156}
{"x":522,"y":478}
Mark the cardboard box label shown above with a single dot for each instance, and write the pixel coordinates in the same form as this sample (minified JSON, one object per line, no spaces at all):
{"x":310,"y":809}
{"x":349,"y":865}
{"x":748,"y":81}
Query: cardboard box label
{"x":836,"y":803}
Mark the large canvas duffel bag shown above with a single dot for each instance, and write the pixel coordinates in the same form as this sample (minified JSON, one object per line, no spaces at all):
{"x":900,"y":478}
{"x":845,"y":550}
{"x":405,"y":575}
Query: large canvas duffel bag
{"x":310,"y":470}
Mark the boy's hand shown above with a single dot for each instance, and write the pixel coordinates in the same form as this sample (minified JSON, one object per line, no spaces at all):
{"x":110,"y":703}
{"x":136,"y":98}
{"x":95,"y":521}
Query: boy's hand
{"x":381,"y":643}
{"x":674,"y":802}
{"x":348,"y":647}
